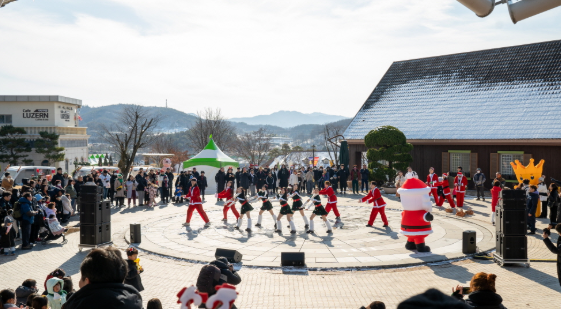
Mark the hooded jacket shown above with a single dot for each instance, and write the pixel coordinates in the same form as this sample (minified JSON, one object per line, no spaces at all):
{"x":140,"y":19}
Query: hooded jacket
{"x":482,"y":300}
{"x":56,"y":300}
{"x":226,"y":276}
{"x":22,"y":292}
{"x":105,"y":295}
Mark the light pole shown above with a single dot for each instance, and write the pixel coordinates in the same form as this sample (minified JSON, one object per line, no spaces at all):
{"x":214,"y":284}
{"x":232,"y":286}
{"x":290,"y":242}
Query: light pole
{"x":313,"y":155}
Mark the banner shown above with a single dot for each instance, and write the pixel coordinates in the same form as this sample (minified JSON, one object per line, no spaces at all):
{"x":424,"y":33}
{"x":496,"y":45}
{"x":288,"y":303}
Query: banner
{"x":314,"y":160}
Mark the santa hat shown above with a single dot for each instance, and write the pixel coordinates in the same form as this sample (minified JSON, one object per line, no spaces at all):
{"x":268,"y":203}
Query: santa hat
{"x":413,"y":186}
{"x":460,"y":174}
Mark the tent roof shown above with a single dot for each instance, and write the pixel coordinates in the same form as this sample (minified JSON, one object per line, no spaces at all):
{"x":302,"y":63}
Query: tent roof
{"x":211,"y":155}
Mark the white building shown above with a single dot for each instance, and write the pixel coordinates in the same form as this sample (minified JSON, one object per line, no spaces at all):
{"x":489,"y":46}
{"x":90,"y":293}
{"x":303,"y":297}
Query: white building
{"x":54,"y":114}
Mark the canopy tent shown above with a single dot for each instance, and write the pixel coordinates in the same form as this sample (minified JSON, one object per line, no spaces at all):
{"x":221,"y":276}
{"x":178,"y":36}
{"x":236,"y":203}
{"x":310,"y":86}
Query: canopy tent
{"x":210,"y":160}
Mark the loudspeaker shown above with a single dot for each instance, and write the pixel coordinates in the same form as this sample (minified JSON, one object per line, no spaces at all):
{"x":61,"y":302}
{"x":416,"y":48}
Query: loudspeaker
{"x":105,"y":211}
{"x":527,"y":8}
{"x":90,"y":213}
{"x":135,"y":231}
{"x":90,"y":189}
{"x":293,"y":259}
{"x":512,"y":222}
{"x":481,"y":8}
{"x":90,"y":197}
{"x":91,"y":234}
{"x":512,"y":204}
{"x":512,"y":247}
{"x":469,"y":242}
{"x":233,"y":256}
{"x":105,"y":232}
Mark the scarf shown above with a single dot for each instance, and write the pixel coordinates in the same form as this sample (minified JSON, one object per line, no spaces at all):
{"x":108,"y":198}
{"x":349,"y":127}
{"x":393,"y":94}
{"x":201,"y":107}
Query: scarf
{"x":8,"y":228}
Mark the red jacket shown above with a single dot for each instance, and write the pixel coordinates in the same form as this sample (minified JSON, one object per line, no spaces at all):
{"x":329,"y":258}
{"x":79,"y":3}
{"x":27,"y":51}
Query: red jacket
{"x":432,"y":180}
{"x":331,"y":198}
{"x":460,"y":185}
{"x":355,"y":174}
{"x":195,"y":195}
{"x":495,"y":191}
{"x":227,"y":193}
{"x":375,"y":197}
{"x":445,"y":186}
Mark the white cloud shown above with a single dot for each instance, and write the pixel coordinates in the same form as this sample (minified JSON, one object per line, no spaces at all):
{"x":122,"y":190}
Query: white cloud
{"x":247,"y":57}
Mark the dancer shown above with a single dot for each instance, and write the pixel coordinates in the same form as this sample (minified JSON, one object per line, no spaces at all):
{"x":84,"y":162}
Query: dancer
{"x":194,"y":196}
{"x":495,"y":196}
{"x":432,"y":179}
{"x":378,"y":204}
{"x":228,"y":195}
{"x":297,"y":205}
{"x":443,"y":182}
{"x":331,"y":202}
{"x":285,"y":210}
{"x":263,"y":194}
{"x":460,"y":184}
{"x":245,"y":210}
{"x":318,"y":211}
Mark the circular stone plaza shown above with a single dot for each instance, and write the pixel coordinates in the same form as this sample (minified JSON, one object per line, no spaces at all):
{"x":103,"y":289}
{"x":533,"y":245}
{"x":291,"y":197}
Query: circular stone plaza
{"x":347,"y":269}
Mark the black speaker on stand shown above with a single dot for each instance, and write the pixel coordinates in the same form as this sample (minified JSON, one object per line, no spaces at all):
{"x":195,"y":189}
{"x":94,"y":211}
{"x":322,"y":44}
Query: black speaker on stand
{"x":511,"y":217}
{"x":233,"y":256}
{"x":293,"y":259}
{"x":95,"y":218}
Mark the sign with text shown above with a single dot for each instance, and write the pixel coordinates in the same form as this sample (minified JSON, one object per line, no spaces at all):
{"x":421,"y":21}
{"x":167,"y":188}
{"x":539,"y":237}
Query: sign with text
{"x":40,"y":114}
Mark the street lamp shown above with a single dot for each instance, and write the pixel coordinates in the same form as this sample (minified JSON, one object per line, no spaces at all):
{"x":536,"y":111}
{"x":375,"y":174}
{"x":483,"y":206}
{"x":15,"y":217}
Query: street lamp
{"x":313,"y":155}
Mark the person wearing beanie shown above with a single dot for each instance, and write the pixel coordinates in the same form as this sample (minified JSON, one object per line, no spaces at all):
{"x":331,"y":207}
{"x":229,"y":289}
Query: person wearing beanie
{"x":374,"y":197}
{"x":7,"y":239}
{"x":416,"y":216}
{"x":460,"y":184}
{"x":482,"y":292}
{"x":432,"y":299}
{"x":432,"y":179}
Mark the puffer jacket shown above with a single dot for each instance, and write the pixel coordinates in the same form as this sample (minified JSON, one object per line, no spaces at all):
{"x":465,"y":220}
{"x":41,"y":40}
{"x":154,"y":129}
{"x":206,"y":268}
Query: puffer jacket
{"x":105,"y":295}
{"x":482,"y":300}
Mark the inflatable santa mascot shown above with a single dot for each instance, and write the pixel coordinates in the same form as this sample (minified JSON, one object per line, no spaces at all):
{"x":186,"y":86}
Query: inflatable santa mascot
{"x":416,"y":216}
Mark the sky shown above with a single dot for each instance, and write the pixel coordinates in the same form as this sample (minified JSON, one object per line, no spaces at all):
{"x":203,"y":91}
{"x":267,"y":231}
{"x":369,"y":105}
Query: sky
{"x":247,"y":57}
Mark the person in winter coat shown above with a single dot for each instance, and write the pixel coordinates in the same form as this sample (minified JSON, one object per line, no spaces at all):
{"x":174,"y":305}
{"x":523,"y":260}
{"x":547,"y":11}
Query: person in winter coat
{"x":355,"y":178}
{"x":244,"y":179}
{"x":531,"y":207}
{"x":364,"y":175}
{"x":170,"y":181}
{"x":482,"y":292}
{"x":141,"y":184}
{"x":542,"y":191}
{"x":71,"y":190}
{"x":27,"y":288}
{"x":283,"y":176}
{"x":230,"y":176}
{"x":133,"y":275}
{"x":343,"y":176}
{"x":56,"y":295}
{"x":553,"y":201}
{"x":554,"y":249}
{"x":479,"y":181}
{"x":499,"y":177}
{"x":237,"y":175}
{"x":28,"y":217}
{"x":309,"y":178}
{"x":203,"y":184}
{"x":7,"y":182}
{"x":120,"y":188}
{"x":103,"y":272}
{"x":164,"y":189}
{"x":399,"y":180}
{"x":220,"y":179}
{"x":495,"y":192}
{"x":57,"y":176}
{"x":293,"y":179}
{"x":8,"y":237}
{"x":228,"y":274}
{"x":130,"y":186}
{"x":252,"y":182}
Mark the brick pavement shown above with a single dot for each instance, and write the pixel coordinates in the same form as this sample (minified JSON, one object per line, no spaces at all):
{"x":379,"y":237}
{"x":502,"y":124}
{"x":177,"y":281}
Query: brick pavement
{"x":534,"y":287}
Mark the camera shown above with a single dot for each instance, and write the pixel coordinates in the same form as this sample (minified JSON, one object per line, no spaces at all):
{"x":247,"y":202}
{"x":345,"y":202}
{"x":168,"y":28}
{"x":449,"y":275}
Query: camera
{"x":547,"y":231}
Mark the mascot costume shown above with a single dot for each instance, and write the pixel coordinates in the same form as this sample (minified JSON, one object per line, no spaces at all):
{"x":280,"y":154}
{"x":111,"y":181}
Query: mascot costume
{"x":416,"y":216}
{"x":531,"y":172}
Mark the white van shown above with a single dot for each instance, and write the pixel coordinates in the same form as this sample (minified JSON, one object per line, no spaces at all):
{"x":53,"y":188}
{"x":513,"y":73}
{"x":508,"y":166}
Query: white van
{"x":146,"y":169}
{"x":18,"y":173}
{"x":85,"y":170}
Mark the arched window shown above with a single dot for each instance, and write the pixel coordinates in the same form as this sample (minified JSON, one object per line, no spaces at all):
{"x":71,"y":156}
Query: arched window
{"x":45,"y":163}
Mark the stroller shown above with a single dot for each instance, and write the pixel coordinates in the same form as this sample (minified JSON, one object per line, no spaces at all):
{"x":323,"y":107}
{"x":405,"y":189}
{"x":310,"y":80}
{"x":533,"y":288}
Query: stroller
{"x":46,"y":235}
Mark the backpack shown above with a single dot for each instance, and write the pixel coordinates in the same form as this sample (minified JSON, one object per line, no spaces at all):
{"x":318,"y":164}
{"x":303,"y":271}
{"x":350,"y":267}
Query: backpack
{"x":208,"y":279}
{"x":17,"y":211}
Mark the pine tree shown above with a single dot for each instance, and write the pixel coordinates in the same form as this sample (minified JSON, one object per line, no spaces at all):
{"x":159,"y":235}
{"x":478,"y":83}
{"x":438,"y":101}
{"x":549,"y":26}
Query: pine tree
{"x":389,"y":145}
{"x":13,"y":147}
{"x":47,"y":144}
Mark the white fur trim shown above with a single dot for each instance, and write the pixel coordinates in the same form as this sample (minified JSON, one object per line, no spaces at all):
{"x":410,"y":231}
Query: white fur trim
{"x":380,"y":206}
{"x":416,"y":233}
{"x":419,"y":191}
{"x":195,"y":203}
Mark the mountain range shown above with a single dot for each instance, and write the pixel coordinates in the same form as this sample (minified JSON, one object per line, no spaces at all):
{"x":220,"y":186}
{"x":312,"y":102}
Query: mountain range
{"x":289,"y":119}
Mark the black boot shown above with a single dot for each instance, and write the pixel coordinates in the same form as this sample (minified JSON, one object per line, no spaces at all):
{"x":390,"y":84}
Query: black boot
{"x":410,"y":245}
{"x":423,"y":248}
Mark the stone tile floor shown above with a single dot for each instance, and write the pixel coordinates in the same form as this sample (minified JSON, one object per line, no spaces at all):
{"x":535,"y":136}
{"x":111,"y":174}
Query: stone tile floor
{"x":534,"y":287}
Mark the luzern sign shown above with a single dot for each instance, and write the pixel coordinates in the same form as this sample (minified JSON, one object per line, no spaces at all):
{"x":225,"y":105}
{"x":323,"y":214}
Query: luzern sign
{"x":40,"y":114}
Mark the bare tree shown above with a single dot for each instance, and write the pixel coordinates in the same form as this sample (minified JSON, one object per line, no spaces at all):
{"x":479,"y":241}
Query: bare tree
{"x":211,"y":121}
{"x":165,"y":144}
{"x":328,"y":134}
{"x":254,"y":146}
{"x":133,"y":130}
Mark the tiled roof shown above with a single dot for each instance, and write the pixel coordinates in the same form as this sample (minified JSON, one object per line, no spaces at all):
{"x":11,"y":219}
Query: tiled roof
{"x":503,"y":93}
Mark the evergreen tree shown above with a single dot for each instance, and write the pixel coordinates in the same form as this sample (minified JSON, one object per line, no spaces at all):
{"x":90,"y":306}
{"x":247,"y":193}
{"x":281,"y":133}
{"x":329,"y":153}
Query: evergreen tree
{"x":13,"y":147}
{"x":100,"y":161}
{"x":47,"y":145}
{"x":387,"y":144}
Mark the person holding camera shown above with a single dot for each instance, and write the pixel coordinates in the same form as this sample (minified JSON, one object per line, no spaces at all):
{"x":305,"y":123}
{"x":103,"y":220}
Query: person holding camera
{"x":217,"y":272}
{"x":481,"y":292}
{"x":554,"y":249}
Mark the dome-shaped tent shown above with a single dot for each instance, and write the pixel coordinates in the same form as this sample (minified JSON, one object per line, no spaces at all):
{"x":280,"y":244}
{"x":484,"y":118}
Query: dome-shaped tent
{"x":210,"y":160}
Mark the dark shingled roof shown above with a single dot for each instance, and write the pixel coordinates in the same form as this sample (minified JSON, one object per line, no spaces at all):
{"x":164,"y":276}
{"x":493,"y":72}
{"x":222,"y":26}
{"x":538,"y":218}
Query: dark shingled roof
{"x":502,"y":93}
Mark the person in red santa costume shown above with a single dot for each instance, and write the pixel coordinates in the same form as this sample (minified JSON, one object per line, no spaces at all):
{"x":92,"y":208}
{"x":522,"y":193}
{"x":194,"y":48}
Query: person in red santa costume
{"x":416,"y":216}
{"x":432,"y":179}
{"x":228,"y":194}
{"x":331,"y":201}
{"x":374,"y":197}
{"x":194,"y":196}
{"x":460,"y":183}
{"x":443,"y":182}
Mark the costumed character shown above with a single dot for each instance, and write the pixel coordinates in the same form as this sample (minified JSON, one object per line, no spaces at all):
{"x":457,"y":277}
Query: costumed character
{"x":416,"y":216}
{"x":460,"y":184}
{"x":374,"y":197}
{"x":224,"y":298}
{"x":432,"y":179}
{"x":531,"y":172}
{"x":331,"y":202}
{"x":228,"y":195}
{"x":194,"y":196}
{"x":443,"y":182}
{"x":191,"y":295}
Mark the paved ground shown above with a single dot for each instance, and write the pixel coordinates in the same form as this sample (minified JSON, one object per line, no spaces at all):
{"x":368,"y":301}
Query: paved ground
{"x":534,"y":287}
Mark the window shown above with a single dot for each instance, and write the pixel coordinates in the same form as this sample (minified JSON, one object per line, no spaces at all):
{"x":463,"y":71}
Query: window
{"x":5,"y":119}
{"x":45,"y":163}
{"x":504,"y":162}
{"x":73,"y":143}
{"x":459,"y":159}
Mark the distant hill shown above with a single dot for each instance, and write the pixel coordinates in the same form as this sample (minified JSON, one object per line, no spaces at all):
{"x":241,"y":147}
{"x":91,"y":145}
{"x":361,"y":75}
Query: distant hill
{"x":289,"y":119}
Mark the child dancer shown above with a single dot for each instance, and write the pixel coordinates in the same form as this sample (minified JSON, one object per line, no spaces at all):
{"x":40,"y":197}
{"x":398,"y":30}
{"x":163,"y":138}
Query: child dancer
{"x":378,"y":204}
{"x":285,"y":210}
{"x":331,"y":201}
{"x":495,"y":191}
{"x":194,"y":196}
{"x":297,"y":205}
{"x":263,"y":194}
{"x":446,"y":189}
{"x":228,"y":194}
{"x":318,"y":211}
{"x":246,"y":209}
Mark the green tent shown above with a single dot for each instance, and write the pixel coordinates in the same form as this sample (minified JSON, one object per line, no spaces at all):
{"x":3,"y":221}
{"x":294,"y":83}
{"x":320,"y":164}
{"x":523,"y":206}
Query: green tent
{"x":211,"y":155}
